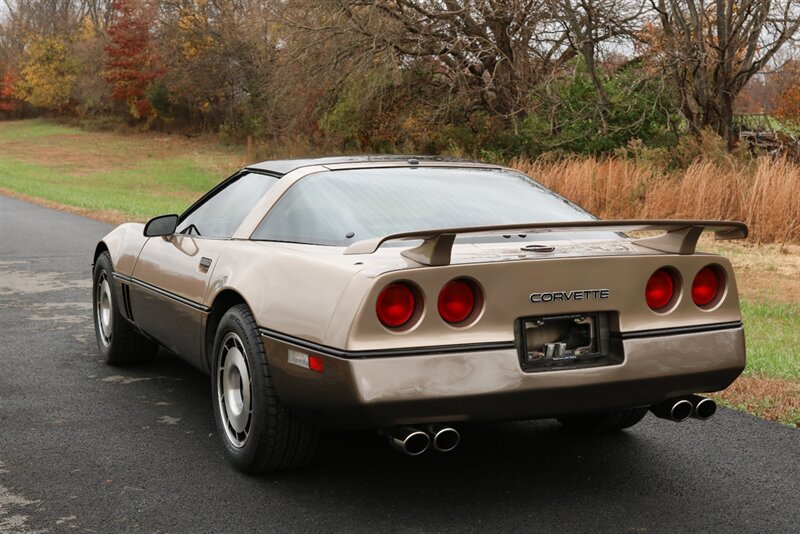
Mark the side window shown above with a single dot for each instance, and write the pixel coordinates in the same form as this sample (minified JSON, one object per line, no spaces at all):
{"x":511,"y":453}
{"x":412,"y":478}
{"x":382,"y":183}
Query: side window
{"x":221,"y":215}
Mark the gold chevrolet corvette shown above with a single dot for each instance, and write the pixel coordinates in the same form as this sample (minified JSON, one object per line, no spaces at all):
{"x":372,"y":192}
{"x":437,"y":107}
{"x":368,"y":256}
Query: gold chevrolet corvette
{"x":411,"y":295}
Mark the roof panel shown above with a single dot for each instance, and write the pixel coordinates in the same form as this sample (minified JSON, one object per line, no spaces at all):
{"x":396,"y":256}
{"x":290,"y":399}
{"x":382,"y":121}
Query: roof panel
{"x":285,"y":166}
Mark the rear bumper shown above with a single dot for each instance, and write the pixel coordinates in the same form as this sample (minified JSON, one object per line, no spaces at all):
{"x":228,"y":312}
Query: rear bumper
{"x":491,"y":385}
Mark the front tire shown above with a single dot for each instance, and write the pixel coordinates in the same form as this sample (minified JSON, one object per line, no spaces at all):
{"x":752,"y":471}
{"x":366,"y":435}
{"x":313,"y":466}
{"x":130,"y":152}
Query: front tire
{"x":258,"y":433}
{"x":598,"y":423}
{"x":120,"y":343}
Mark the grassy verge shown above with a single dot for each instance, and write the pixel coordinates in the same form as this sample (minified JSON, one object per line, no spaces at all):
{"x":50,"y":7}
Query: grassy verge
{"x":773,"y":338}
{"x":118,"y":177}
{"x":770,"y":385}
{"x":115,"y":176}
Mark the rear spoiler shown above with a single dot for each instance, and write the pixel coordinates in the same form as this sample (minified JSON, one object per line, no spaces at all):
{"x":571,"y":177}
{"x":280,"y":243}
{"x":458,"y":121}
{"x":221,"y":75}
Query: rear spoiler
{"x":678,"y":237}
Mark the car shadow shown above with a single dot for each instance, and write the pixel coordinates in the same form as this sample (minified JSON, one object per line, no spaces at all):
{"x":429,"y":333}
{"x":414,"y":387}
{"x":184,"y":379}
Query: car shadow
{"x":500,"y":473}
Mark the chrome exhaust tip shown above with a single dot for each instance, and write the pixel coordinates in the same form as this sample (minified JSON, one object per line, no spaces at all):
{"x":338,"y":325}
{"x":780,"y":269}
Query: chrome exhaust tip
{"x":673,"y":409}
{"x":445,"y":438}
{"x":704,"y":408}
{"x":410,"y":441}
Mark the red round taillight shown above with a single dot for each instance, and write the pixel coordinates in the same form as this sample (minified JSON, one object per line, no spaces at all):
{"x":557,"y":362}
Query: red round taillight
{"x":396,"y":305}
{"x":659,"y":290}
{"x":706,"y":286}
{"x":457,"y":301}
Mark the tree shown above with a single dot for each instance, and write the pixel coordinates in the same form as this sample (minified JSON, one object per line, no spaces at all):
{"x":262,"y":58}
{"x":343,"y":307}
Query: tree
{"x":712,"y":48}
{"x":221,"y":57}
{"x":590,"y":23}
{"x":8,"y":104}
{"x":490,"y":52}
{"x":131,"y":64}
{"x":567,"y":117}
{"x":48,"y":75}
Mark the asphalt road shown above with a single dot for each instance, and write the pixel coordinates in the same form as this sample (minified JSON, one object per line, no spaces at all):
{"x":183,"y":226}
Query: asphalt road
{"x":87,"y":447}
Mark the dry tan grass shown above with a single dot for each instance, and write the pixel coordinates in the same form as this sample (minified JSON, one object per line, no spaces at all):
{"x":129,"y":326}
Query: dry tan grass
{"x":765,"y":193}
{"x":771,"y":398}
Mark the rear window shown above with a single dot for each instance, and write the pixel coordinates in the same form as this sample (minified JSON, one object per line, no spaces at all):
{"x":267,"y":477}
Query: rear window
{"x":341,"y":207}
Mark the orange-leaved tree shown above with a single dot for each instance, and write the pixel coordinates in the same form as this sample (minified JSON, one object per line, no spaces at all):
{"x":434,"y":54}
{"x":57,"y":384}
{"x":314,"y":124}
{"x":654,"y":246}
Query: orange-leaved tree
{"x":131,"y":64}
{"x":8,"y":103}
{"x":787,"y":104}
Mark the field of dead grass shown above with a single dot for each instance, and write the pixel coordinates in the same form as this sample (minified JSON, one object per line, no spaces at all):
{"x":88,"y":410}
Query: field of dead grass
{"x":764,"y":193}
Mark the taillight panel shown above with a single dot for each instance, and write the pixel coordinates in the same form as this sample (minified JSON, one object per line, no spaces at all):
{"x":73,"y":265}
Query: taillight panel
{"x":664,"y":288}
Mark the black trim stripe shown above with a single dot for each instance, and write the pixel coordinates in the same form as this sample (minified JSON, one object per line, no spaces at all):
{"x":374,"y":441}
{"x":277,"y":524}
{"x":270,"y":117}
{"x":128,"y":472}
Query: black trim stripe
{"x":660,"y":332}
{"x":413,"y":351}
{"x":163,"y":293}
{"x":475,"y":347}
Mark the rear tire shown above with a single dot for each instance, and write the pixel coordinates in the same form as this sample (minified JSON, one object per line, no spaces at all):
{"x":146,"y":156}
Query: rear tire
{"x":599,"y":423}
{"x":119,"y":341}
{"x":258,"y":433}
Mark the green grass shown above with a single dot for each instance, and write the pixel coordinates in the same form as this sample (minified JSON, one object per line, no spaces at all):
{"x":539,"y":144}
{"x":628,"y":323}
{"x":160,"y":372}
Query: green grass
{"x":772,"y":333}
{"x":33,"y":129}
{"x":137,"y":176}
{"x":156,"y":187}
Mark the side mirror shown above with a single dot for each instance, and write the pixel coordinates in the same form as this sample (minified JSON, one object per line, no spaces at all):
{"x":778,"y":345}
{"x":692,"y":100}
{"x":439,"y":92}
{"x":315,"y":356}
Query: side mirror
{"x":161,"y":226}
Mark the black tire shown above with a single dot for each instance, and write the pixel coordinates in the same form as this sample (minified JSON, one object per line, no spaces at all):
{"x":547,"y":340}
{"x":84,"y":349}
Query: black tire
{"x":119,"y":341}
{"x":270,"y":438}
{"x":599,"y":423}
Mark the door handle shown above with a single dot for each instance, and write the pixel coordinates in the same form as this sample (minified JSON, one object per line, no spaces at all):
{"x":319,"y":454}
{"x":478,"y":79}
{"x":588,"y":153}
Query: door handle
{"x":205,"y":263}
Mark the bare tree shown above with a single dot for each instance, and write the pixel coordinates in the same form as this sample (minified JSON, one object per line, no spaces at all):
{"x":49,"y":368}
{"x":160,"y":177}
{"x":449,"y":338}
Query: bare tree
{"x":712,"y":48}
{"x":590,"y":23}
{"x":494,"y":51}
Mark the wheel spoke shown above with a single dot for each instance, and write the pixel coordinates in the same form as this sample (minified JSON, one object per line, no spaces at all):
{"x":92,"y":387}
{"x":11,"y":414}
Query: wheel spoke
{"x":104,"y":309}
{"x":234,"y":389}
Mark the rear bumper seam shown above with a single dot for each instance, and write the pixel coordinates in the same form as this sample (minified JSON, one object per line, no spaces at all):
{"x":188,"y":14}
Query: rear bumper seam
{"x":474,"y":347}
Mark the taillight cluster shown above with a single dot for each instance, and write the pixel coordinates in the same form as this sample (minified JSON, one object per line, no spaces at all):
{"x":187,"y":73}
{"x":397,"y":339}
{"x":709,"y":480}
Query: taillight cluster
{"x":664,"y":286}
{"x":400,"y":303}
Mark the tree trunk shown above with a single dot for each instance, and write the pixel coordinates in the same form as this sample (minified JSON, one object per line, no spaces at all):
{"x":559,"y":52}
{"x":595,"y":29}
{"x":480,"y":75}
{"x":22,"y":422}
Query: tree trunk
{"x":725,"y":118}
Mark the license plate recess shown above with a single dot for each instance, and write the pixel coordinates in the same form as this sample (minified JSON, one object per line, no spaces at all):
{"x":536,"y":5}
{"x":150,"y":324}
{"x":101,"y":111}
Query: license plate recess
{"x":569,"y":341}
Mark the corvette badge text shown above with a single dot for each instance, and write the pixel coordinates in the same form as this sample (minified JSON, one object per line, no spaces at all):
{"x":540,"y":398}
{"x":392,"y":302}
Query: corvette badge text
{"x":566,"y":296}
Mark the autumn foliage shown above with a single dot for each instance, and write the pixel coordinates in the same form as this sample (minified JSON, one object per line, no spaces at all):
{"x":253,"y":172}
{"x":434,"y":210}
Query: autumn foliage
{"x":46,"y":79}
{"x":7,"y":101}
{"x":131,"y":64}
{"x":788,"y":101}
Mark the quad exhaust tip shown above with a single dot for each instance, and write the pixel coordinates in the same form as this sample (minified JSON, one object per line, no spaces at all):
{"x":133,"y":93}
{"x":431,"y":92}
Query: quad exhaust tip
{"x":445,"y":438}
{"x":413,"y":441}
{"x":683,"y":408}
{"x":410,"y":441}
{"x":704,"y":408}
{"x":673,"y":409}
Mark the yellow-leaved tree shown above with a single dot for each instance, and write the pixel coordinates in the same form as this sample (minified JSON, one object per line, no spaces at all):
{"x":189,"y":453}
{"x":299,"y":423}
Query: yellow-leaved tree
{"x":48,"y":74}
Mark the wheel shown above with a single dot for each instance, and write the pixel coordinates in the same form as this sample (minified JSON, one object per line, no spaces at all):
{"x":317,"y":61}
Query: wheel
{"x":120,"y":343}
{"x":603,"y":422}
{"x":258,"y":433}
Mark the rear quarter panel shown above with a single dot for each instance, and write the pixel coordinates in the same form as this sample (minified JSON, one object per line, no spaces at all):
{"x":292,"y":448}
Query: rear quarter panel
{"x":290,"y":289}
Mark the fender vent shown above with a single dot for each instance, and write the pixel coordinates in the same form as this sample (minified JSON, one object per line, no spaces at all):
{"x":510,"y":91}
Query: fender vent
{"x":126,"y":301}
